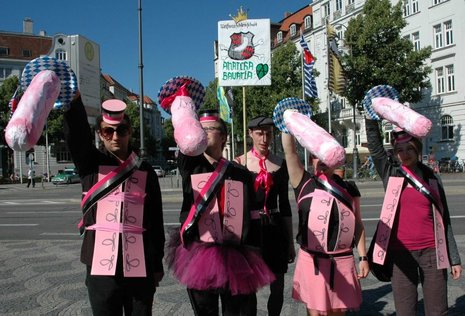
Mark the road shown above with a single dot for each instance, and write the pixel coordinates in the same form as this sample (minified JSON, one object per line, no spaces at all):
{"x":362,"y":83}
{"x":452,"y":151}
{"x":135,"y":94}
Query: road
{"x":40,"y":272}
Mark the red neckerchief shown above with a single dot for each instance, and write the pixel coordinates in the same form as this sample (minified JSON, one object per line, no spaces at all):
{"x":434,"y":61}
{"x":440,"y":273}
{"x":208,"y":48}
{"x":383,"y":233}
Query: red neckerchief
{"x":264,"y":178}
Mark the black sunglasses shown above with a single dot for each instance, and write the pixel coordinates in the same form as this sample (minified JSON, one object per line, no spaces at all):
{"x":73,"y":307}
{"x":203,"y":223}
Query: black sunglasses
{"x":121,"y":131}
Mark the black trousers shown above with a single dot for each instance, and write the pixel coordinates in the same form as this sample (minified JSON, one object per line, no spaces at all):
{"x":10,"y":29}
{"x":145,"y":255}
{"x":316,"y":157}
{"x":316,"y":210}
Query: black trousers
{"x":205,"y":303}
{"x":110,"y":295}
{"x":276,"y":298}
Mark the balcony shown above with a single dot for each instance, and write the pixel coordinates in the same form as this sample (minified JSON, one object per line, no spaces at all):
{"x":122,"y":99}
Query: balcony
{"x":337,"y":14}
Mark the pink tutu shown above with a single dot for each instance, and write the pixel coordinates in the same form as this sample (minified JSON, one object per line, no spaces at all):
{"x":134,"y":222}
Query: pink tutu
{"x":209,"y":266}
{"x":314,"y":290}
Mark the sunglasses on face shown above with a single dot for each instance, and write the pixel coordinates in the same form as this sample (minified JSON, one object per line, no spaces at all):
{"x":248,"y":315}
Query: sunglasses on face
{"x":121,"y":131}
{"x":210,"y":129}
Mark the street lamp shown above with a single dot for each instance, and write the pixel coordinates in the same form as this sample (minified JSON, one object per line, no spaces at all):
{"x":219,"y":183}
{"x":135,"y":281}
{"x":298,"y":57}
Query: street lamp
{"x":141,"y":84}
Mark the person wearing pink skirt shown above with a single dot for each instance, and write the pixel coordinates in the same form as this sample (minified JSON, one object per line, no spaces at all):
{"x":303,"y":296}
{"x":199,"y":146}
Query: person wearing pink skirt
{"x":326,"y":278}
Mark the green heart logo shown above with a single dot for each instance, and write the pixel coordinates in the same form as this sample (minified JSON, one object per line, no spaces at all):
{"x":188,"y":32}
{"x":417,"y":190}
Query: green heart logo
{"x":262,"y":70}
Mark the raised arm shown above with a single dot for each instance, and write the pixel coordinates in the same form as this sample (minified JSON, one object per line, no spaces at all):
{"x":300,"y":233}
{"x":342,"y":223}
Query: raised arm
{"x":294,"y":166}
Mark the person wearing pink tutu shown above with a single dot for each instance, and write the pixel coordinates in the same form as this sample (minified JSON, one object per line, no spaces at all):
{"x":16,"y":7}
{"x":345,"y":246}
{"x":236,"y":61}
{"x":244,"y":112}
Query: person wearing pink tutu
{"x":330,"y":225}
{"x":216,"y":252}
{"x":272,"y":189}
{"x":414,"y":241}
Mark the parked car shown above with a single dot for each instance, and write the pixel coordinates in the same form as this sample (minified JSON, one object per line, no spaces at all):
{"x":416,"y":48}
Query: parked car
{"x":67,"y":176}
{"x":159,"y":171}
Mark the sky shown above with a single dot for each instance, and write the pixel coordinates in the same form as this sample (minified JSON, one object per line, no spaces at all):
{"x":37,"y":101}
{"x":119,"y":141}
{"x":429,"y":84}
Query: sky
{"x":177,"y":36}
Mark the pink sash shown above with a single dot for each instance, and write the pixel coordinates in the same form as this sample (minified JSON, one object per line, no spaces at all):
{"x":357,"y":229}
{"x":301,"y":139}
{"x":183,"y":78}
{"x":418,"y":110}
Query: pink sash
{"x":318,"y":223}
{"x":211,"y":228}
{"x":120,"y":212}
{"x":205,"y":190}
{"x":388,"y":214}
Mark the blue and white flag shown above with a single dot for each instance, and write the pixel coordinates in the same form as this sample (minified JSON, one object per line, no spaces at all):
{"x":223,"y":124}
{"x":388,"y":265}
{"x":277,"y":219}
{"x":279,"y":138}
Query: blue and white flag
{"x":309,"y":80}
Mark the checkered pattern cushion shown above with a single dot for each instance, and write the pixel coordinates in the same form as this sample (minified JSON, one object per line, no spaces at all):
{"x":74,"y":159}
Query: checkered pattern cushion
{"x":375,"y":92}
{"x":286,"y":104}
{"x":67,"y":77}
{"x":195,"y":88}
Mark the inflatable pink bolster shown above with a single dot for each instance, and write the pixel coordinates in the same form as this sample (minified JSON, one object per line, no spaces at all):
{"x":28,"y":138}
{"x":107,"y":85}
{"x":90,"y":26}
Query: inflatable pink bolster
{"x":402,"y":116}
{"x":28,"y":121}
{"x":314,"y":138}
{"x":188,"y":132}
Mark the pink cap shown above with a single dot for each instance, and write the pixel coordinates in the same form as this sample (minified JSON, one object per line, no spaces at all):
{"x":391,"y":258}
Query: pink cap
{"x":113,"y":111}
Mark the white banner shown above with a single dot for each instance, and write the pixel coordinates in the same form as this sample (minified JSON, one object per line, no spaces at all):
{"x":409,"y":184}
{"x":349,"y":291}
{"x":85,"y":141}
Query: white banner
{"x":244,"y":53}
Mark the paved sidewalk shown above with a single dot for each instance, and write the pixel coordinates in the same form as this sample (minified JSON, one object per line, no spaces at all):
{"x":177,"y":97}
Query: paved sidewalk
{"x":45,"y":277}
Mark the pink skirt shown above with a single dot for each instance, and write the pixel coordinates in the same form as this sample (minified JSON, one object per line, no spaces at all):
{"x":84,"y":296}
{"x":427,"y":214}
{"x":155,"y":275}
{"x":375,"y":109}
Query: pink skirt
{"x":314,"y":290}
{"x":208,"y":266}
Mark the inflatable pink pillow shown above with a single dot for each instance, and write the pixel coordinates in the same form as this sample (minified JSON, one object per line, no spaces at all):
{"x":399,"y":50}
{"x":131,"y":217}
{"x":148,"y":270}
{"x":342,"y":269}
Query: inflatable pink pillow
{"x":28,"y":121}
{"x":181,"y":97}
{"x":314,"y":138}
{"x":405,"y":118}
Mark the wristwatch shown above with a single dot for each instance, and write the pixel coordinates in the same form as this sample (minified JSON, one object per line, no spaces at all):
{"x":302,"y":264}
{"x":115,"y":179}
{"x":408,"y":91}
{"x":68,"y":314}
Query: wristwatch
{"x":363,"y":258}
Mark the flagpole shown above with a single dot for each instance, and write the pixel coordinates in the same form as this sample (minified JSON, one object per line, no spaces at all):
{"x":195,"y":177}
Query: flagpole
{"x":233,"y":140}
{"x":328,"y":95}
{"x":303,"y":98}
{"x":244,"y":125}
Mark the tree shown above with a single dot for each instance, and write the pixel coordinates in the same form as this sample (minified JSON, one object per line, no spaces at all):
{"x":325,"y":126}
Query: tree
{"x":379,"y":55}
{"x":150,"y":143}
{"x":7,"y":89}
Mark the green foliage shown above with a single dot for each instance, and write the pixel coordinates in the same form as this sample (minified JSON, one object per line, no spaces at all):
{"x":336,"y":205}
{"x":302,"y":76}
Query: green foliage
{"x":7,"y":89}
{"x":379,"y":55}
{"x":150,"y":143}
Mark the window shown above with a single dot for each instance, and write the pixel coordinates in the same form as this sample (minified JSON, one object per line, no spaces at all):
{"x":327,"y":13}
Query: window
{"x":407,"y":8}
{"x":437,"y":36}
{"x":338,"y":5}
{"x":448,"y":35}
{"x":326,"y":10}
{"x":351,"y":2}
{"x":416,"y":41}
{"x":450,"y":78}
{"x":436,"y":2}
{"x":308,"y":22}
{"x":293,"y":30}
{"x":443,"y":34}
{"x":27,"y":53}
{"x":415,"y":7}
{"x":279,"y":37}
{"x":4,"y":72}
{"x":60,"y":54}
{"x":4,"y":51}
{"x":445,"y":79}
{"x":440,"y":81}
{"x":447,"y":127}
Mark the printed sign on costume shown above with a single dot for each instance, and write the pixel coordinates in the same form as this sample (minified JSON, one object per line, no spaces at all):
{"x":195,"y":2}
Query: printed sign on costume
{"x":244,"y":52}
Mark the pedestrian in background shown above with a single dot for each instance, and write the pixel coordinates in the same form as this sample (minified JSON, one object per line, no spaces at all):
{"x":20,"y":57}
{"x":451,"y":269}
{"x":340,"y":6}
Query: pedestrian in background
{"x":122,"y":221}
{"x":272,"y":189}
{"x":31,"y":174}
{"x":414,"y":242}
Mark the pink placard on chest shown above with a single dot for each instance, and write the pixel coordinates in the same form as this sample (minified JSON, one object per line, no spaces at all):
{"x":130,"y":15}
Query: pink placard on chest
{"x":318,"y":220}
{"x":386,"y":221}
{"x":209,"y":224}
{"x":442,"y":257}
{"x":133,"y":215}
{"x":120,"y":213}
{"x":233,"y":211}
